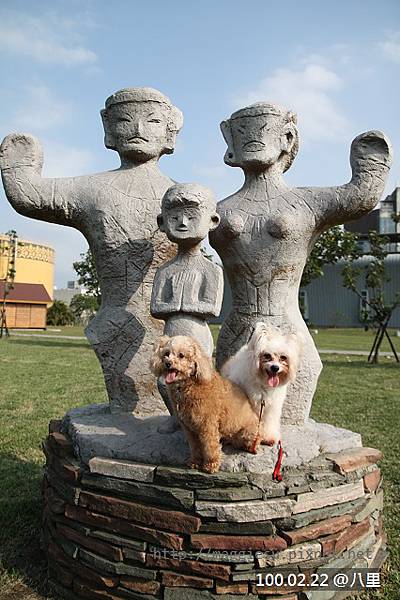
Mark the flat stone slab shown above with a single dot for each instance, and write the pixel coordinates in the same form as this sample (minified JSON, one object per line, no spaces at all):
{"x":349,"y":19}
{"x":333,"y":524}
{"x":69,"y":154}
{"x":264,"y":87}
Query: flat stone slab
{"x":122,"y":469}
{"x":351,"y":460}
{"x":96,"y":432}
{"x":245,"y":512}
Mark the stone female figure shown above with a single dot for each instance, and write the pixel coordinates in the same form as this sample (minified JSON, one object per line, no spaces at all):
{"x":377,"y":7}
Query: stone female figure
{"x":268,"y":229}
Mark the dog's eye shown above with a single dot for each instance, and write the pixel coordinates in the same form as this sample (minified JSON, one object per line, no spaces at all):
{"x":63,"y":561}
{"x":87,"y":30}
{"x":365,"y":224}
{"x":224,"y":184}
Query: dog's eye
{"x":283,"y":357}
{"x":267,"y":356}
{"x":167,"y":353}
{"x":181,"y":355}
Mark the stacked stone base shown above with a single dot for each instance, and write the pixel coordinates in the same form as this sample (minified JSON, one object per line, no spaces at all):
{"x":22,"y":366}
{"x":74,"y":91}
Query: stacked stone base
{"x":116,"y":529}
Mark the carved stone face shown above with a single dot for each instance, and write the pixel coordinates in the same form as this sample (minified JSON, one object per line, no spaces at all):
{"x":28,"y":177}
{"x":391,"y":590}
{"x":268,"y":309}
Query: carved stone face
{"x":189,"y":223}
{"x":258,"y":140}
{"x":139,"y":129}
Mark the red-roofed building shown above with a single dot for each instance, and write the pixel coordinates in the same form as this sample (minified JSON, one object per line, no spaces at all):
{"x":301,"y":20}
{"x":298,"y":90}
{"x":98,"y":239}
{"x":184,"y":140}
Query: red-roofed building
{"x":26,"y":305}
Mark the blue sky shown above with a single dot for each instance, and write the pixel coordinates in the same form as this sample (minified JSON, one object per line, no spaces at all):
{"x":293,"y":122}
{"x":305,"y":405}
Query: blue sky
{"x":336,"y":64}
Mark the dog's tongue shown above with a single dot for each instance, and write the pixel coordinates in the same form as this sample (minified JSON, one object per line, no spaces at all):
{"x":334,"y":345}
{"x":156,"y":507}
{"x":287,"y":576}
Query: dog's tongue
{"x":273,"y":380}
{"x":170,"y":376}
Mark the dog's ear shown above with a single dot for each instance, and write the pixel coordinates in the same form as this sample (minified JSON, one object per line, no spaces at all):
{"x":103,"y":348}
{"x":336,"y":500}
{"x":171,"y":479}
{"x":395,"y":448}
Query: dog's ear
{"x":162,"y":342}
{"x":295,"y":344}
{"x":202,"y":364}
{"x":293,"y":366}
{"x":254,"y":345}
{"x":254,"y":341}
{"x":156,"y":364}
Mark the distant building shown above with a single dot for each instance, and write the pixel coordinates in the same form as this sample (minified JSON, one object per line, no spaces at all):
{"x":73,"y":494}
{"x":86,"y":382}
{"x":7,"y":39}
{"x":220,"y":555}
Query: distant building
{"x":66,"y":294}
{"x":326,"y":303}
{"x":381,"y":220}
{"x":27,"y":303}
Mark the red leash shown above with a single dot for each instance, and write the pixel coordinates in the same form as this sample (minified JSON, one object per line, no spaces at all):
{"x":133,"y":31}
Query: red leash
{"x":257,"y":438}
{"x":277,"y":475}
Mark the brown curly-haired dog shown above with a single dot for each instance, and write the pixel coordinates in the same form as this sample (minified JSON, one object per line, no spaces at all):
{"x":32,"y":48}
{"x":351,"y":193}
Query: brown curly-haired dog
{"x":209,"y":407}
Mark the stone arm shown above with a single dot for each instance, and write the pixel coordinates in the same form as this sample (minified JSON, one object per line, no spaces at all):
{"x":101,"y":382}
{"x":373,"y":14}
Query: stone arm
{"x":159,"y":308}
{"x":53,"y":200}
{"x":370,"y":160}
{"x":209,"y":302}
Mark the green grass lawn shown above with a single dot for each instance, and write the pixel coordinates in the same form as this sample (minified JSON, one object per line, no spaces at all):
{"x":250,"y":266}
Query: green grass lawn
{"x":342,"y":339}
{"x":41,"y":379}
{"x":75,"y":330}
{"x":331,"y":339}
{"x":351,"y":339}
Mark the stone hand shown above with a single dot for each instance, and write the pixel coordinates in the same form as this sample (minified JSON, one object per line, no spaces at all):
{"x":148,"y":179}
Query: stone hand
{"x":20,"y":150}
{"x":370,"y":151}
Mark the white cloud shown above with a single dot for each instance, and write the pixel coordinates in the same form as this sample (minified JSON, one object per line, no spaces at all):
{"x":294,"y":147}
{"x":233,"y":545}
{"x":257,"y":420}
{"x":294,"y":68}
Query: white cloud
{"x":309,"y":91}
{"x":391,"y":46}
{"x":48,"y":38}
{"x":61,"y":160}
{"x":39,"y":110}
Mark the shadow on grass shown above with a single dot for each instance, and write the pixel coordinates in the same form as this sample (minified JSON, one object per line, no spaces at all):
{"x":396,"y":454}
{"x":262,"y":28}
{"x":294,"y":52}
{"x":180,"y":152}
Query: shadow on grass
{"x":51,"y":343}
{"x":23,"y":569}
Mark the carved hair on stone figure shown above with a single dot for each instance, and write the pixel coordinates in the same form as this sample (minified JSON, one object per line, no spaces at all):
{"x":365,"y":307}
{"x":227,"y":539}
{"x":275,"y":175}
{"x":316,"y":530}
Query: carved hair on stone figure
{"x":263,"y":368}
{"x":183,"y":193}
{"x":173,"y":116}
{"x":209,"y":407}
{"x":269,"y":119}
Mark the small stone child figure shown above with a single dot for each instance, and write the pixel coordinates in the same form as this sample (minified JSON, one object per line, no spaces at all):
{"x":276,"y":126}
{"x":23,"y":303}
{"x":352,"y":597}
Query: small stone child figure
{"x":188,"y":289}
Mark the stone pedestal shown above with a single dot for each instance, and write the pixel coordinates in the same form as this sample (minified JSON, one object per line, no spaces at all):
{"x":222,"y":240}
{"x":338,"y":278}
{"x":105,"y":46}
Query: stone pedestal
{"x":128,"y":529}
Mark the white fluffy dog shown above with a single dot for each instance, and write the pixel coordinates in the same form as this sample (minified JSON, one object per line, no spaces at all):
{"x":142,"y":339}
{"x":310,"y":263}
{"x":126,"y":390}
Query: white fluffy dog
{"x":263,"y":368}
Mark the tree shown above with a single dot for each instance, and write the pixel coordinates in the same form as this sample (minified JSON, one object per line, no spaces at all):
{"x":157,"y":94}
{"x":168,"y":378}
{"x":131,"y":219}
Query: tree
{"x":87,"y":274}
{"x":331,"y":246}
{"x":8,"y":248}
{"x":84,"y":302}
{"x":59,"y":314}
{"x":377,"y":309}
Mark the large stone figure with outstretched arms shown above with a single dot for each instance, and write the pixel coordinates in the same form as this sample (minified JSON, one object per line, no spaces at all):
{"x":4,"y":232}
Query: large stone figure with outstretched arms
{"x":117,"y":213}
{"x":268,"y":228}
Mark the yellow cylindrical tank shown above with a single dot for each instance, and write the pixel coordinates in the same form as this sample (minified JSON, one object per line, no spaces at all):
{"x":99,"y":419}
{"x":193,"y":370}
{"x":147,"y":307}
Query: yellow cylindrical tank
{"x":34,"y":263}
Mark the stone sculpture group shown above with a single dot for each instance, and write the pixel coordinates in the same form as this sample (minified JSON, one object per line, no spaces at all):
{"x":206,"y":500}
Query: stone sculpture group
{"x":263,"y":234}
{"x":117,"y":490}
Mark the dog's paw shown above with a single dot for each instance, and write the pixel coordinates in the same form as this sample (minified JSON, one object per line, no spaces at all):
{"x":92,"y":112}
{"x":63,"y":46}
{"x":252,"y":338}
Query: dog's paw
{"x":268,"y":442}
{"x":270,"y":436}
{"x":193,"y":465}
{"x":212,"y":466}
{"x":252,"y":446}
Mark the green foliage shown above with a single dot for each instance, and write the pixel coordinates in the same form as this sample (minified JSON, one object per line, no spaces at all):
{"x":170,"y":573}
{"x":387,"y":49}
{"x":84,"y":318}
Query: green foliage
{"x":372,"y":276}
{"x":9,"y":248}
{"x":59,"y":314}
{"x":378,"y":308}
{"x":331,"y":246}
{"x":84,"y":302}
{"x":87,"y":274}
